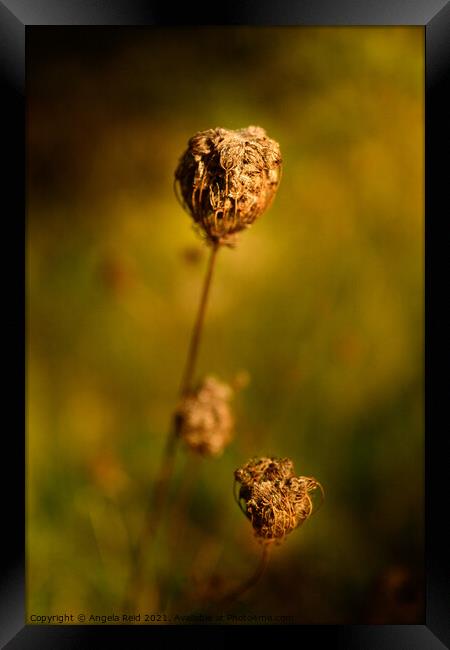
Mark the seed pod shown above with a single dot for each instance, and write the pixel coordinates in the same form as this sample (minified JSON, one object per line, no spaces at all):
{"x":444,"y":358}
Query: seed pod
{"x":262,"y":469}
{"x":204,"y":417}
{"x":275,"y":500}
{"x":227,"y":179}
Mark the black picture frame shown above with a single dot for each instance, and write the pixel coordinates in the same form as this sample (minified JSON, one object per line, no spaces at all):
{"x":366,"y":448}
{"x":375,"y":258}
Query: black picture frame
{"x":16,"y":18}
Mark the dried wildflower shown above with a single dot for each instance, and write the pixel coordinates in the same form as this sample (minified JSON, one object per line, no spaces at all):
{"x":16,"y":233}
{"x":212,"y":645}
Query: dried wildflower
{"x":275,"y":500}
{"x":262,"y":469}
{"x":204,"y":417}
{"x":227,"y":179}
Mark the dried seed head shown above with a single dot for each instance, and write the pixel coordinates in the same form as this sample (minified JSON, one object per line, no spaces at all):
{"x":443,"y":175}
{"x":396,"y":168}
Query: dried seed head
{"x":204,"y":417}
{"x":227,"y":179}
{"x":275,"y":500}
{"x":262,"y":469}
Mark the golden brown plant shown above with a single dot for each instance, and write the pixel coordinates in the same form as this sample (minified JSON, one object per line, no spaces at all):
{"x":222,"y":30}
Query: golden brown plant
{"x":276,"y":502}
{"x":273,"y":498}
{"x":227,"y":179}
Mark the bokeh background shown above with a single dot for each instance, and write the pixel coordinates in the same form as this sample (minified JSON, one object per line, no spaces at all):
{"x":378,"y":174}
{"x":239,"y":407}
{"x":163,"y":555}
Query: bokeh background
{"x":321,"y":304}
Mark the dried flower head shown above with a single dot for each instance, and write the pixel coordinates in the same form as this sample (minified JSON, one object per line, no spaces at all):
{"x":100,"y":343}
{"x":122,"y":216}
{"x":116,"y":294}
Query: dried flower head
{"x":227,"y":179}
{"x":274,"y":499}
{"x":204,"y":417}
{"x":259,"y":470}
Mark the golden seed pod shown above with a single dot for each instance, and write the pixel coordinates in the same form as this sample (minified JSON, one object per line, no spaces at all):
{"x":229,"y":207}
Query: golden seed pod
{"x":274,"y":499}
{"x":204,"y":417}
{"x":262,"y":469}
{"x":227,"y":179}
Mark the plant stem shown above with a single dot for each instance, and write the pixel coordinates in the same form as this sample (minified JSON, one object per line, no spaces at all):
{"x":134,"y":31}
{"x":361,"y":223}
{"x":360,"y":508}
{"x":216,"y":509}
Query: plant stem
{"x":251,"y":581}
{"x":156,"y":506}
{"x":177,"y":530}
{"x":166,"y":469}
{"x":197,"y":331}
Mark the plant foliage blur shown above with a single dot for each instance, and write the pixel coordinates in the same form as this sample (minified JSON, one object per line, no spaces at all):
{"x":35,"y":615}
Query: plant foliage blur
{"x":321,"y":304}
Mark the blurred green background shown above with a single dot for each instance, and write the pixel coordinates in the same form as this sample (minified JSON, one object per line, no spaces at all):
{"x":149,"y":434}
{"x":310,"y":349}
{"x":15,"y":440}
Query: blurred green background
{"x":321,"y":303}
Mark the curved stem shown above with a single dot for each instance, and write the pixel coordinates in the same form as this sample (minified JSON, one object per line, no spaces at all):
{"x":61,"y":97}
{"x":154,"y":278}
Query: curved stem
{"x":155,"y":507}
{"x":251,"y":581}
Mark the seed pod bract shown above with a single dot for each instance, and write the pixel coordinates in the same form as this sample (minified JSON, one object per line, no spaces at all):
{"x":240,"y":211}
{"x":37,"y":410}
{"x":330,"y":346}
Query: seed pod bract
{"x":226,"y":179}
{"x":274,"y":499}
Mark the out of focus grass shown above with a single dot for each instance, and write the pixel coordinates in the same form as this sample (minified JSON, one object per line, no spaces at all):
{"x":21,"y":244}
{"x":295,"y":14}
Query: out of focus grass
{"x":321,"y":303}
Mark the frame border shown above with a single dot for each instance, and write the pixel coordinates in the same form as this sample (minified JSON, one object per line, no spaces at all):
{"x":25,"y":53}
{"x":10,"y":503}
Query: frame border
{"x":434,"y":15}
